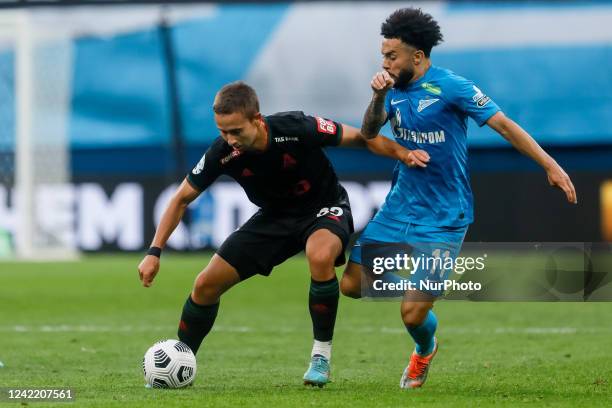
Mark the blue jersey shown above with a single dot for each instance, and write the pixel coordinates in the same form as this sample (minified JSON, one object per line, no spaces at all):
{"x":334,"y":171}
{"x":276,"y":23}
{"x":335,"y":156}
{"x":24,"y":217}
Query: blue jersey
{"x":431,"y":114}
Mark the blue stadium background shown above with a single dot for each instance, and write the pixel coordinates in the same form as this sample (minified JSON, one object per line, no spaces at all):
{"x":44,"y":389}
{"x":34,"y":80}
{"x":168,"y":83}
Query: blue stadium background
{"x":141,"y":95}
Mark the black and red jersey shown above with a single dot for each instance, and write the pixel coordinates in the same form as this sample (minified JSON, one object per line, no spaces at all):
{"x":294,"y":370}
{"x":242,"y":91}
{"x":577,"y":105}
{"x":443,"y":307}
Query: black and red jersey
{"x":293,"y":175}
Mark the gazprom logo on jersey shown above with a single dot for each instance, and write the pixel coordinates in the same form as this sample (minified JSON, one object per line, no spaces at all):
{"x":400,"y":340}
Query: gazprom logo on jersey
{"x":412,"y":135}
{"x":419,"y":137}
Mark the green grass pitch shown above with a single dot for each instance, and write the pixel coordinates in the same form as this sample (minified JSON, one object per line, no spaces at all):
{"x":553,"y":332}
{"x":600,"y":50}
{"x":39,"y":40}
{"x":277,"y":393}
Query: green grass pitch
{"x":87,"y":324}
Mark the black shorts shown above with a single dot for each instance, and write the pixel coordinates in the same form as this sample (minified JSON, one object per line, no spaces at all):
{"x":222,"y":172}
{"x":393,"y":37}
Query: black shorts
{"x":267,"y":240}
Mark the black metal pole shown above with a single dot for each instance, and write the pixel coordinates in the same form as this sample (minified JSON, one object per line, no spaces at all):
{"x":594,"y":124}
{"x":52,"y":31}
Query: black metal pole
{"x":172,"y":89}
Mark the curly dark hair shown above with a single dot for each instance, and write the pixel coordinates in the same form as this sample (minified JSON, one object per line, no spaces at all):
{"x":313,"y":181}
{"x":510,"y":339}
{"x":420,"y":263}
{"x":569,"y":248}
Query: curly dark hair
{"x":237,"y":97}
{"x":413,"y":27}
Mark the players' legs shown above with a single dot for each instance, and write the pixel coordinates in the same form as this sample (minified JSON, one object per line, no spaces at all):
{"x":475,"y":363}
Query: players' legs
{"x":260,"y":244}
{"x":431,"y":242}
{"x":322,"y":249}
{"x":420,"y":320}
{"x":421,"y":323}
{"x":201,"y":307}
{"x":416,"y":308}
{"x":325,"y":236}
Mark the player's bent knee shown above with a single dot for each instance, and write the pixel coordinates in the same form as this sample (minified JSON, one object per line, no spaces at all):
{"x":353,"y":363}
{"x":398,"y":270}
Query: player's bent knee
{"x":322,"y":249}
{"x":205,"y":291}
{"x":214,"y":280}
{"x":350,"y":287}
{"x":414,"y":313}
{"x":413,"y":319}
{"x":321,"y":258}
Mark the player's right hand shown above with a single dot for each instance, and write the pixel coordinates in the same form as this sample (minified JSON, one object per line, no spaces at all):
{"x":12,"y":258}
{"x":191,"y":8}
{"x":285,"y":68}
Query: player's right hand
{"x":382,"y":82}
{"x":416,"y":158}
{"x":147,"y":270}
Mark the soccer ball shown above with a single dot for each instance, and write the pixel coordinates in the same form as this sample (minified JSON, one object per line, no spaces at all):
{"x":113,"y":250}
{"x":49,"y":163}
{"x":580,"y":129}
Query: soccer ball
{"x":169,"y":364}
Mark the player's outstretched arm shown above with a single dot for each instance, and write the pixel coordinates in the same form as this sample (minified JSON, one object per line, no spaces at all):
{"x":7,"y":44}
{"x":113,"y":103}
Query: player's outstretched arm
{"x":375,"y":115}
{"x":524,"y":143}
{"x":351,"y":137}
{"x":386,"y":147}
{"x":171,"y":217}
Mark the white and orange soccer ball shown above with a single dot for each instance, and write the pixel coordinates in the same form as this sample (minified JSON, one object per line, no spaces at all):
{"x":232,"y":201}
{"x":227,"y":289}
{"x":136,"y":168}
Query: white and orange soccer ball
{"x":169,"y":364}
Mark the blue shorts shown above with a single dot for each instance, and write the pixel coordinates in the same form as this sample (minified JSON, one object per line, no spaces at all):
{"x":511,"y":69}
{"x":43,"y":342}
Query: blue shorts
{"x":425,"y":241}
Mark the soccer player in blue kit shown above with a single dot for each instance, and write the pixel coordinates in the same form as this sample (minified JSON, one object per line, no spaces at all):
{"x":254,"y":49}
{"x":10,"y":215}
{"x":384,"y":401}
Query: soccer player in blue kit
{"x":428,"y":108}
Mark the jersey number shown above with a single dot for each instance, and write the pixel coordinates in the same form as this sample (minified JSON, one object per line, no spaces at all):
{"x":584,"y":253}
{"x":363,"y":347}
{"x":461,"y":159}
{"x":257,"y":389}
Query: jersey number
{"x":436,"y":255}
{"x":337,"y":211}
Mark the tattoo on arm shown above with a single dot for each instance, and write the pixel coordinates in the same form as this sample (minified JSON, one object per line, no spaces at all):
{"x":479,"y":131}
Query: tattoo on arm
{"x":374,"y":117}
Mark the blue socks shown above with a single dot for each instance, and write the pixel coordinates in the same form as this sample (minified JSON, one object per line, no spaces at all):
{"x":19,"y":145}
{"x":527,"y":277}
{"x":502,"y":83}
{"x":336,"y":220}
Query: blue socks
{"x":423,"y":335}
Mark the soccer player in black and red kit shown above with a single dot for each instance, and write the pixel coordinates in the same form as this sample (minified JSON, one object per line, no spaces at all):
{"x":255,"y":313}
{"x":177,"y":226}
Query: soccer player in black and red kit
{"x":279,"y":162}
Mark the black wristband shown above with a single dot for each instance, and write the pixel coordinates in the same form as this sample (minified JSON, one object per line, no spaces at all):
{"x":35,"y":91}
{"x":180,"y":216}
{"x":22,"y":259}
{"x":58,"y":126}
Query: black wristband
{"x":155,"y":251}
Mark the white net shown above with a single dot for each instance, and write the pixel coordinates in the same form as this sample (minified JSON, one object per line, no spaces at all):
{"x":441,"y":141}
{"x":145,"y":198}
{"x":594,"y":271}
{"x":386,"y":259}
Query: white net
{"x":35,"y":73}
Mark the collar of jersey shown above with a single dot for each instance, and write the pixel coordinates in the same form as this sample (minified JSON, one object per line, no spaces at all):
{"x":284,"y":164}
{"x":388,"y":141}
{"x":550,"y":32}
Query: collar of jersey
{"x":426,"y":77}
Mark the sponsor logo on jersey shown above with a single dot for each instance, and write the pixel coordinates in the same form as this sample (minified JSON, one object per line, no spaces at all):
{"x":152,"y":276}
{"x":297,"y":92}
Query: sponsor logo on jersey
{"x":283,"y":139}
{"x":424,"y":103}
{"x":479,"y":97}
{"x":200,"y":166}
{"x":232,"y":155}
{"x":436,"y":90}
{"x":326,"y":126}
{"x":419,"y":137}
{"x":396,"y":102}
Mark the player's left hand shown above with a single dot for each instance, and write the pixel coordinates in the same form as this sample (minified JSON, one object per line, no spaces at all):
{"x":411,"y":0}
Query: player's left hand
{"x":557,"y":177}
{"x":415,"y":158}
